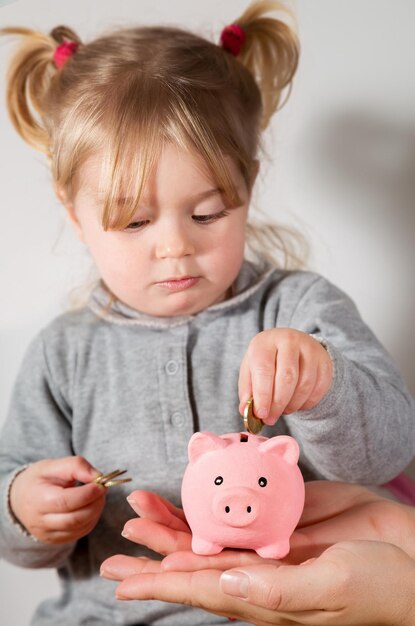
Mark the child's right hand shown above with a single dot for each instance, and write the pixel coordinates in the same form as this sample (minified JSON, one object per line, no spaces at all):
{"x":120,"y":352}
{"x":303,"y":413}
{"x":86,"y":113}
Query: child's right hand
{"x":46,"y":501}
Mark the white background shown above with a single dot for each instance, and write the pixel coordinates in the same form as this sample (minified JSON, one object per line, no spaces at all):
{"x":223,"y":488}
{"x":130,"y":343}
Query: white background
{"x":342,"y":170}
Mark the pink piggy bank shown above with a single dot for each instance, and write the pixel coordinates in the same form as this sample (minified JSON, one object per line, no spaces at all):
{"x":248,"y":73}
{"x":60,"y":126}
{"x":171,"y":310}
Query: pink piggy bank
{"x":242,"y":491}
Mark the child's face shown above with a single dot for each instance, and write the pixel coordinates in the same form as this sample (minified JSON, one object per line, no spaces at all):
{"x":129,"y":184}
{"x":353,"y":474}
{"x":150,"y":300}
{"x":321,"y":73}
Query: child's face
{"x":183,"y":248}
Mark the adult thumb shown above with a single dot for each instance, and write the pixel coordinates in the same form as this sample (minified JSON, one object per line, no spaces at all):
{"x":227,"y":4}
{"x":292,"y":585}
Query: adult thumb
{"x":279,"y":587}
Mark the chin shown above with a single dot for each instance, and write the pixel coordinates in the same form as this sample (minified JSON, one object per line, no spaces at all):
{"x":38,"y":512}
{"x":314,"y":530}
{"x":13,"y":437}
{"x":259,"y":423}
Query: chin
{"x":184,"y":304}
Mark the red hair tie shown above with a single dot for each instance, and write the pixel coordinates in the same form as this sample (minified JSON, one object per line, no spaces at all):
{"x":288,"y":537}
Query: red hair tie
{"x":232,"y":39}
{"x":63,"y":52}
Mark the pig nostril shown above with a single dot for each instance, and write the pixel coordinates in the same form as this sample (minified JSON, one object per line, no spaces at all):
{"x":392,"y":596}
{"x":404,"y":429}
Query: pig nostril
{"x":249,"y":509}
{"x":227,"y":509}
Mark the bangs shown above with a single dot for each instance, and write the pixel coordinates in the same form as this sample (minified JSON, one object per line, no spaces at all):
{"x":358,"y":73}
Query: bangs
{"x":138,"y":121}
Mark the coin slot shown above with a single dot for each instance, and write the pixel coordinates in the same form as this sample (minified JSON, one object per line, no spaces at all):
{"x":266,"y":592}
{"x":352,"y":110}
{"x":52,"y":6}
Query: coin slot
{"x":244,"y":437}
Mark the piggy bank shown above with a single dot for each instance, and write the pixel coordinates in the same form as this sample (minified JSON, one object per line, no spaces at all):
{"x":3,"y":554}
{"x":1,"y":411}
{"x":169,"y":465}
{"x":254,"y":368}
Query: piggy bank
{"x":242,"y":491}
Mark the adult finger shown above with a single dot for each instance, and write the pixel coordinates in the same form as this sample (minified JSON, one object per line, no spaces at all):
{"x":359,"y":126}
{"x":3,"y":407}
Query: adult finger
{"x":120,"y":566}
{"x":187,"y":561}
{"x":288,"y":588}
{"x":156,"y":508}
{"x":199,"y":589}
{"x":324,"y":499}
{"x":156,"y":536}
{"x":356,"y":523}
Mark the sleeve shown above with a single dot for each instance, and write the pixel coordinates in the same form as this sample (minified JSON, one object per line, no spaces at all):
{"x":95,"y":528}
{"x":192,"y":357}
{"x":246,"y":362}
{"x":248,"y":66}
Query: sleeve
{"x":363,"y":430}
{"x":38,"y":426}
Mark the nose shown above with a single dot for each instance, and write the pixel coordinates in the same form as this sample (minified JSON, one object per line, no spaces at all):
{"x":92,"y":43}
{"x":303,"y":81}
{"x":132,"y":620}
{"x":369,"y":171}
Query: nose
{"x":238,"y":508}
{"x":174,"y":241}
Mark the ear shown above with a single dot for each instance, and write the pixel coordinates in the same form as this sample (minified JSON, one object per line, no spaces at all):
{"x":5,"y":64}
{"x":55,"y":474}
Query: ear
{"x":70,"y":210}
{"x":285,"y":446}
{"x":200,"y":443}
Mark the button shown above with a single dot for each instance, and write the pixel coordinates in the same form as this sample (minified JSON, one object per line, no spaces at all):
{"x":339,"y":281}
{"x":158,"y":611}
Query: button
{"x":177,"y":419}
{"x":172,"y":367}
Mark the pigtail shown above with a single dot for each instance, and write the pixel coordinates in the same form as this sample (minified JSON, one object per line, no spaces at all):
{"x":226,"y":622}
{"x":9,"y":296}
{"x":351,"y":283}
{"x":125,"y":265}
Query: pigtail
{"x":31,"y":71}
{"x":270,"y":52}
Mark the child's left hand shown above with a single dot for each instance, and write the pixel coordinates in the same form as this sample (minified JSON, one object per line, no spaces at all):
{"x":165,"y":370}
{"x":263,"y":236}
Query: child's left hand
{"x":285,"y":370}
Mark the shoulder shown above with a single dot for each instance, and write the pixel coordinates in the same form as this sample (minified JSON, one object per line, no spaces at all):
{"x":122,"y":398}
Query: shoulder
{"x":295,"y":284}
{"x":52,"y":352}
{"x":298,"y":295}
{"x":302,"y":284}
{"x":59,"y":343}
{"x":70,"y":326}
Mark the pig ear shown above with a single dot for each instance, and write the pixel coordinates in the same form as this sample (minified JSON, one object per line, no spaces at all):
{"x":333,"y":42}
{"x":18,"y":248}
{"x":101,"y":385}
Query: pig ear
{"x":285,"y":446}
{"x":200,"y":443}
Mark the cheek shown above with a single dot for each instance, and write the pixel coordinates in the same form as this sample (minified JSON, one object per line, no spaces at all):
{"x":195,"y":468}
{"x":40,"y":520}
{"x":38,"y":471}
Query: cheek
{"x":110,"y":258}
{"x":230,"y":245}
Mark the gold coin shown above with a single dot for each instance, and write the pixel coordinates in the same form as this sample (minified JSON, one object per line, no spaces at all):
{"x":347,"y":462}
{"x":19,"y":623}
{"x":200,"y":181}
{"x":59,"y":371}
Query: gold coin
{"x":252,"y":424}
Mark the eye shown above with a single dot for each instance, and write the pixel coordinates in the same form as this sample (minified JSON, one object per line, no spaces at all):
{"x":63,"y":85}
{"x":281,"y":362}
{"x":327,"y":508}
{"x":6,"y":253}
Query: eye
{"x":136,"y":225}
{"x":262,"y":482}
{"x":208,"y":219}
{"x":218,"y":480}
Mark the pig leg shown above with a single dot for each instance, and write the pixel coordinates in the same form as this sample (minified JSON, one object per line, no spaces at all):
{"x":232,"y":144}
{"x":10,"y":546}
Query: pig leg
{"x":274,"y":550}
{"x":201,"y":546}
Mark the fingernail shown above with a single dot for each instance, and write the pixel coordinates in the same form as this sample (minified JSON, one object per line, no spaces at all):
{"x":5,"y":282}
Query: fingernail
{"x":135,"y":506}
{"x":119,"y":596}
{"x":235,"y":584}
{"x":126,"y":534}
{"x":261,"y":413}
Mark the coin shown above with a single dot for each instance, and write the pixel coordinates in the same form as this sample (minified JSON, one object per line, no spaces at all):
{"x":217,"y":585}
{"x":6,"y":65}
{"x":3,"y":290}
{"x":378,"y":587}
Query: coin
{"x":252,"y":424}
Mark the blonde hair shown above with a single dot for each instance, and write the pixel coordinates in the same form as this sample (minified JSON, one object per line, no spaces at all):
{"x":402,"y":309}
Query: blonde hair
{"x":144,"y":86}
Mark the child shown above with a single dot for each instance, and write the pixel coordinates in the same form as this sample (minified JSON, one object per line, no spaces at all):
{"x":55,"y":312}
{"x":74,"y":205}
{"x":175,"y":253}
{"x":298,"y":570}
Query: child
{"x":152,"y":136}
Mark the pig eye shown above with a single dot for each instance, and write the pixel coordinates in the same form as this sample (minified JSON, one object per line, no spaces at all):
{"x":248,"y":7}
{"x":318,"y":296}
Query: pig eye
{"x":218,"y":480}
{"x":262,"y":482}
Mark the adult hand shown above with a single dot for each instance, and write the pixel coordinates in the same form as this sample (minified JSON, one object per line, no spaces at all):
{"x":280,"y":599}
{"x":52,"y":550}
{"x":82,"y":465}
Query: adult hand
{"x":355,"y":583}
{"x":285,"y":370}
{"x":46,"y":501}
{"x":333,"y":512}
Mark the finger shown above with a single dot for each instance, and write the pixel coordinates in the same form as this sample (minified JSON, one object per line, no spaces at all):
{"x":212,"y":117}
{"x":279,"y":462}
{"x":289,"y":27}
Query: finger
{"x":189,"y":561}
{"x":322,"y":383}
{"x":189,"y":588}
{"x":119,"y":566}
{"x":244,"y":385}
{"x":75,"y":521}
{"x":262,"y":365}
{"x":70,"y":499}
{"x":306,"y":383}
{"x":286,"y":588}
{"x":156,"y":536}
{"x":325,"y":499}
{"x":158,"y":509}
{"x":200,"y":589}
{"x":286,"y":377}
{"x":68,"y":470}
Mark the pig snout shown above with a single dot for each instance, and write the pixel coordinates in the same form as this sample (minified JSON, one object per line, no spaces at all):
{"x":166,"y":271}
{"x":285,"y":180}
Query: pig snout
{"x":236,"y":507}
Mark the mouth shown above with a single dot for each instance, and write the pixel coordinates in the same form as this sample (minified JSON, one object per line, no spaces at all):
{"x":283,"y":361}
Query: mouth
{"x":178,"y":283}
